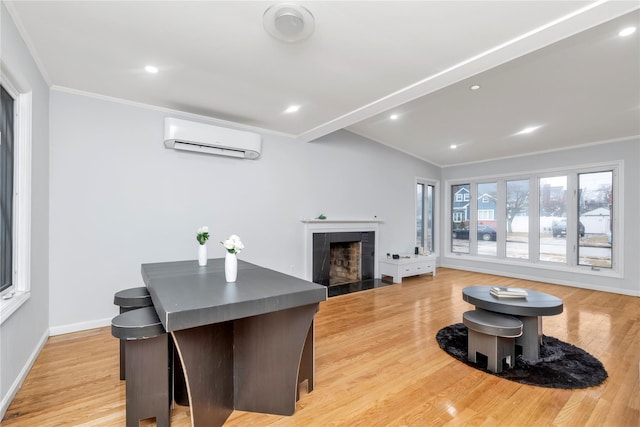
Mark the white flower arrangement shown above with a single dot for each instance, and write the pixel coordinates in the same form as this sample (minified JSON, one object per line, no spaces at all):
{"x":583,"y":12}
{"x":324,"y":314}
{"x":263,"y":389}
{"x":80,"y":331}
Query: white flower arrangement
{"x":233,"y":245}
{"x":203,"y":235}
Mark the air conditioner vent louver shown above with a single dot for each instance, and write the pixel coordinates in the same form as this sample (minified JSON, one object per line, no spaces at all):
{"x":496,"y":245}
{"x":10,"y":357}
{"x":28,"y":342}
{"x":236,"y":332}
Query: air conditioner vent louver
{"x":209,"y":139}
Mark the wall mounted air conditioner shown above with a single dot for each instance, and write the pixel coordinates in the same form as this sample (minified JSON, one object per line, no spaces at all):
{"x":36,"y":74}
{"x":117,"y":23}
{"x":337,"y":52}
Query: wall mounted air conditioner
{"x":209,"y":139}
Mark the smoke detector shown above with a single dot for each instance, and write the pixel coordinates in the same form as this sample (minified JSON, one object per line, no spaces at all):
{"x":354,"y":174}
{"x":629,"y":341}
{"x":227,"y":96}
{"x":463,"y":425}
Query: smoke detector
{"x":288,"y":22}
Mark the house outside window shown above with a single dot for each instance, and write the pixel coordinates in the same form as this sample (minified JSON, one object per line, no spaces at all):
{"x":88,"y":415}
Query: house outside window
{"x":460,"y":215}
{"x":487,"y":205}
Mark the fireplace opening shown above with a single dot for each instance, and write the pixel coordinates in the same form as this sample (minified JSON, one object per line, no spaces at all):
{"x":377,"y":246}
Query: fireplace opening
{"x":343,"y":257}
{"x":344,"y":263}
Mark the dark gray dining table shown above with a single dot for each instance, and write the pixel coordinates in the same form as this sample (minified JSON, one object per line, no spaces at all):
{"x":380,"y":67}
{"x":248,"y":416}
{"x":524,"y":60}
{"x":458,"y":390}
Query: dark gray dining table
{"x":245,"y":345}
{"x":529,"y":310}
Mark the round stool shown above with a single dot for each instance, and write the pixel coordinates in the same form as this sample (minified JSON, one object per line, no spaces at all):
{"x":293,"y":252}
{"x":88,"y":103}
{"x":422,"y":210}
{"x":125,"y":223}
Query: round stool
{"x":147,"y":371}
{"x":130,"y":299}
{"x":492,"y":334}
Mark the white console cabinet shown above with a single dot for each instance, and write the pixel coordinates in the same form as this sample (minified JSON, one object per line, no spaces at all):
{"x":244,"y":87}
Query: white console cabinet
{"x":407,"y":265}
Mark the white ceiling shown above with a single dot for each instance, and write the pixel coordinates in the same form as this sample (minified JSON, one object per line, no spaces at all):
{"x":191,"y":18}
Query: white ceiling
{"x":556,"y":64}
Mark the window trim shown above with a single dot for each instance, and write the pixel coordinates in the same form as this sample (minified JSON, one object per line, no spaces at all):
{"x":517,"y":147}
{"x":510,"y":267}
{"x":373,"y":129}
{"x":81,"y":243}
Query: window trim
{"x":8,"y":197}
{"x":458,"y":210}
{"x":572,"y":171}
{"x":16,"y":295}
{"x":617,"y":220}
{"x":436,"y":211}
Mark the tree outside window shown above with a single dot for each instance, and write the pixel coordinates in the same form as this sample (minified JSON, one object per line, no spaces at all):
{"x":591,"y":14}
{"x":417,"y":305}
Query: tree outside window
{"x":518,"y":219}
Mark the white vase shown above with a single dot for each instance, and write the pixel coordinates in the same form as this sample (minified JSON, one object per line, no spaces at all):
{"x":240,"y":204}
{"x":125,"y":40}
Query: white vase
{"x":230,"y":267}
{"x":202,"y":255}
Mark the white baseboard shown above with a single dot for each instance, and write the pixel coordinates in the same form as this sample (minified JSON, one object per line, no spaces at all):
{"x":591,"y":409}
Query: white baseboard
{"x":80,"y":326}
{"x":13,"y":390}
{"x":57,"y":330}
{"x":535,"y":278}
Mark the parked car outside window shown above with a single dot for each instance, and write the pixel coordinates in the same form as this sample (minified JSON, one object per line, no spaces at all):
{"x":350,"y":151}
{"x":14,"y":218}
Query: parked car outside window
{"x":560,"y":228}
{"x":485,"y":233}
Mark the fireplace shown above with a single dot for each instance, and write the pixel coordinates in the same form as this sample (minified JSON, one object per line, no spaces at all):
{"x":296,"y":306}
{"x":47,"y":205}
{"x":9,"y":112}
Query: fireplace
{"x":343,"y":257}
{"x":332,"y":247}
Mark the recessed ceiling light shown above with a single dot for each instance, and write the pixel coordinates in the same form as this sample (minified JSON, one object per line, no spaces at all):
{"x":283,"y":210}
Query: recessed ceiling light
{"x":475,"y":87}
{"x":627,"y":31}
{"x":292,"y":109}
{"x":393,"y":117}
{"x":528,"y":129}
{"x":151,"y":69}
{"x":453,"y":146}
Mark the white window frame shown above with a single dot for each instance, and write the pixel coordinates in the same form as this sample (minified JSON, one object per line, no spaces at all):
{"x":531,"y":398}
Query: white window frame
{"x":436,"y":199}
{"x":571,"y":171}
{"x":617,"y":221}
{"x":17,"y":294}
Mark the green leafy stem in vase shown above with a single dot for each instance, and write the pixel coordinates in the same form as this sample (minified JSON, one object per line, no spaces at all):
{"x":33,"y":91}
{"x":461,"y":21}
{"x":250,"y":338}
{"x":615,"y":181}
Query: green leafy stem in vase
{"x":203,"y":235}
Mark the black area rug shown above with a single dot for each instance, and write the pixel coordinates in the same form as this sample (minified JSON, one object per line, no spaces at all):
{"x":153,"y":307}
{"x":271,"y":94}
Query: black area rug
{"x":561,"y":365}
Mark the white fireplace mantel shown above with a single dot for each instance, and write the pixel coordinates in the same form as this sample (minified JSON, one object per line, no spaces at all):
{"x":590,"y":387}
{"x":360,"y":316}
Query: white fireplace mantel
{"x":336,"y":226}
{"x":340,"y":221}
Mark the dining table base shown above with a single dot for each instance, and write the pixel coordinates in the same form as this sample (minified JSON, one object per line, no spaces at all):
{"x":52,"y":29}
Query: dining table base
{"x":251,"y":364}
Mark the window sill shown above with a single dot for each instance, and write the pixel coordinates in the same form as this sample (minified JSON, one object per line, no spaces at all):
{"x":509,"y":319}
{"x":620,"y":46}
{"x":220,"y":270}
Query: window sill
{"x":9,"y":306}
{"x":549,"y":266}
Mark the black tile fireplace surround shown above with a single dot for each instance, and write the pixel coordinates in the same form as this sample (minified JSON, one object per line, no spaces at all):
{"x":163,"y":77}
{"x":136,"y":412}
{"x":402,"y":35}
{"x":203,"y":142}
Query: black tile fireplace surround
{"x":321,"y":257}
{"x":363,"y":285}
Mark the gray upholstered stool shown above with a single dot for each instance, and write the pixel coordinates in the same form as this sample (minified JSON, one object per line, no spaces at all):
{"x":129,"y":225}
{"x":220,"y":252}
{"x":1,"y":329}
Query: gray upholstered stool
{"x":130,"y":299}
{"x":493,"y":335}
{"x":147,"y":365}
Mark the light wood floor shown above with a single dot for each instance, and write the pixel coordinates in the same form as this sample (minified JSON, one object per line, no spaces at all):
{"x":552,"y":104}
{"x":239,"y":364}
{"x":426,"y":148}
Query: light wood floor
{"x":378,"y":364}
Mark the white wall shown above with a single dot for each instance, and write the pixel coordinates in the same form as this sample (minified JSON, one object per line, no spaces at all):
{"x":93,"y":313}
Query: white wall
{"x":24,"y":332}
{"x":120,"y":199}
{"x":626,"y":151}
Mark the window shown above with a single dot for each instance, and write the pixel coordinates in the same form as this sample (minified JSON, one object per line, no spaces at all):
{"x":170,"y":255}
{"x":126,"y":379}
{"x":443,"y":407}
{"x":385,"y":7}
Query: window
{"x":595,"y":199}
{"x":459,"y":218}
{"x":486,"y":215}
{"x":518,"y":219}
{"x":553,"y":223}
{"x":6,"y":190}
{"x":425,"y":211}
{"x":460,"y":214}
{"x":486,"y":243}
{"x":556,"y":219}
{"x":15,"y":229}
